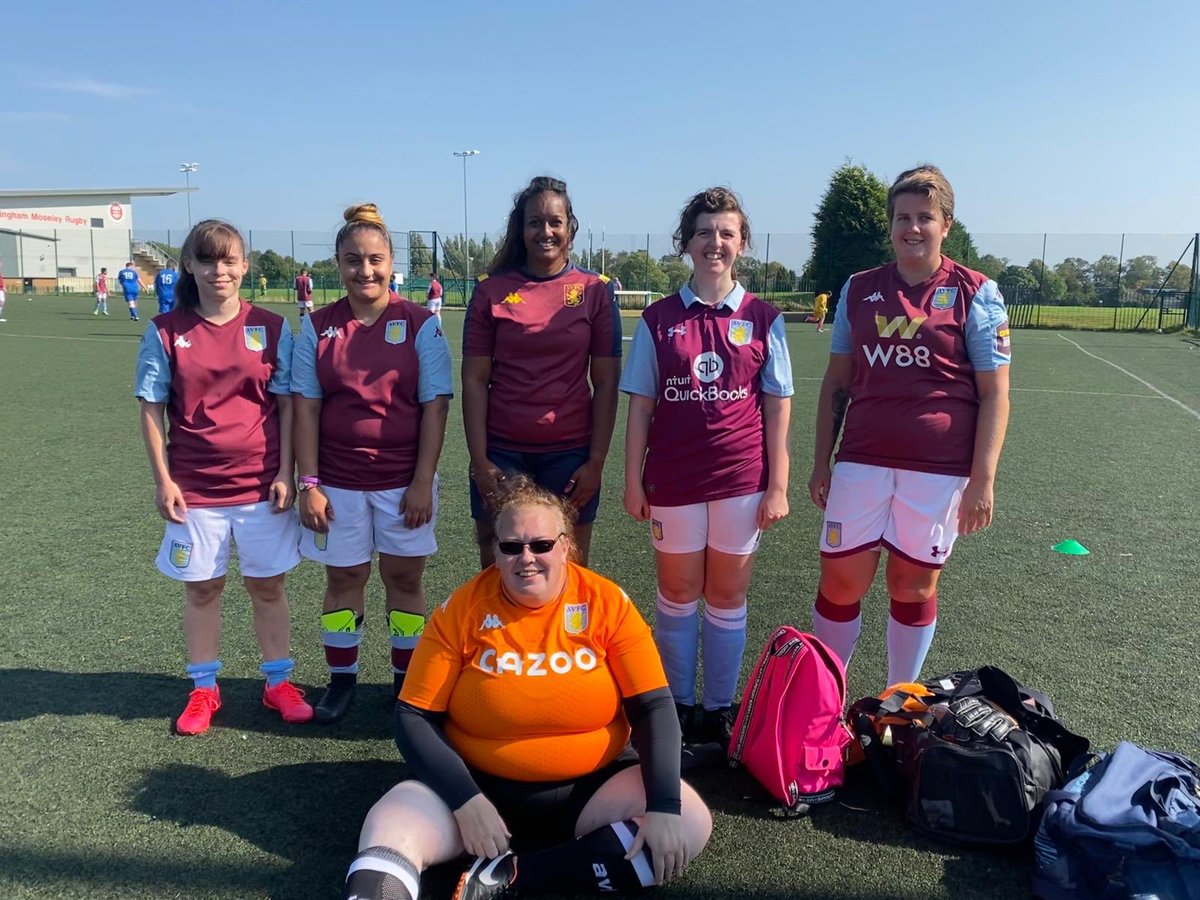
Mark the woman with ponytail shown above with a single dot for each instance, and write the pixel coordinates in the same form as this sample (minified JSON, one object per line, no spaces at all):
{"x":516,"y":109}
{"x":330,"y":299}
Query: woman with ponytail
{"x":371,"y":374}
{"x":218,"y":369}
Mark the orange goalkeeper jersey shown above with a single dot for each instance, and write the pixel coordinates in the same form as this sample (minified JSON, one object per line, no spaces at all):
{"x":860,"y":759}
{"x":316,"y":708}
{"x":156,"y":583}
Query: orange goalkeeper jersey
{"x":534,"y":694}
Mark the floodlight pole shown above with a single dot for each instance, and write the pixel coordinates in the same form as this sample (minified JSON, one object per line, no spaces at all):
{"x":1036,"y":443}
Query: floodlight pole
{"x":463,"y":154}
{"x":187,"y":169}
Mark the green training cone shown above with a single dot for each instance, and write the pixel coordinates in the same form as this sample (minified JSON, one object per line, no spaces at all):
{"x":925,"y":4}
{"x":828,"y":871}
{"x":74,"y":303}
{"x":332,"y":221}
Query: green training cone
{"x":1071,"y":548}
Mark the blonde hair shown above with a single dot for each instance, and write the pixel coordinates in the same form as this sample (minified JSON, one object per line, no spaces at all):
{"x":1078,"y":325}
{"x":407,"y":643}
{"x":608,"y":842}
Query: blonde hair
{"x":363,"y":215}
{"x":517,"y":491}
{"x":928,"y":181}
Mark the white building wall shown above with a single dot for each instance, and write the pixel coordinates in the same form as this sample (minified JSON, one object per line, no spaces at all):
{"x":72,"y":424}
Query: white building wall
{"x":85,"y":233}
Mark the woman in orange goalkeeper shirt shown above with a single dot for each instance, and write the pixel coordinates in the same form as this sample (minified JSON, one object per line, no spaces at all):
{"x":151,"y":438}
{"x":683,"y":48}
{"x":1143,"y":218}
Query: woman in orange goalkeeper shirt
{"x":516,"y":718}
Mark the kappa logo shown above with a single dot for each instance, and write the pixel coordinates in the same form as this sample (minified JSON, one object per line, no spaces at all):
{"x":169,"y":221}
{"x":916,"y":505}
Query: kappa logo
{"x":874,"y":298}
{"x":491,"y":620}
{"x":513,"y":298}
{"x":677,"y":331}
{"x":572,"y":294}
{"x":905,"y":327}
{"x":708,"y":367}
{"x":183,"y":342}
{"x":332,"y":332}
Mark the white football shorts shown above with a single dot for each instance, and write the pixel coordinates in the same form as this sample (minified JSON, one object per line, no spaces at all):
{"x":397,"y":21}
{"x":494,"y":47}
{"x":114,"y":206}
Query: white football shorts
{"x":728,"y":526}
{"x":198,"y":549}
{"x":365,"y":522}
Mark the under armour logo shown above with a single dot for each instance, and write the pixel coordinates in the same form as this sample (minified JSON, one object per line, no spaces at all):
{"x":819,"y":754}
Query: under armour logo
{"x":332,"y":332}
{"x":874,"y":298}
{"x":183,"y":342}
{"x":677,"y":331}
{"x":937,"y":551}
{"x":490,"y":621}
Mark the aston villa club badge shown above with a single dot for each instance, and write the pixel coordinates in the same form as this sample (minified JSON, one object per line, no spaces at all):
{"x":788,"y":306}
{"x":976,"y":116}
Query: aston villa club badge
{"x":181,"y":554}
{"x":572,"y":294}
{"x":396,"y":331}
{"x":255,"y":337}
{"x":833,"y":534}
{"x":575,"y":618}
{"x":740,"y":332}
{"x":944,"y":298}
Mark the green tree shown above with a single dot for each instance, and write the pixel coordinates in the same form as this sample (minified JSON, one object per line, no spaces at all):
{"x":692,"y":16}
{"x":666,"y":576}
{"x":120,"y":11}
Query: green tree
{"x":1142,"y":272}
{"x":278,"y":269}
{"x":455,"y":263}
{"x":1105,"y":274}
{"x":850,"y":228}
{"x":1052,"y":288}
{"x":749,"y":271}
{"x":1181,"y":278}
{"x":677,"y":272}
{"x":638,"y":272}
{"x":1076,"y":274}
{"x":989,"y":265}
{"x":420,"y":259}
{"x":959,"y":246}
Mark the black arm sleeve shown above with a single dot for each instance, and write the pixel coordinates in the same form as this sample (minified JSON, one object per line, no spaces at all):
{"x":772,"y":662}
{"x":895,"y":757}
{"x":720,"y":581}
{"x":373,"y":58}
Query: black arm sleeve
{"x":433,"y":761}
{"x":657,"y":740}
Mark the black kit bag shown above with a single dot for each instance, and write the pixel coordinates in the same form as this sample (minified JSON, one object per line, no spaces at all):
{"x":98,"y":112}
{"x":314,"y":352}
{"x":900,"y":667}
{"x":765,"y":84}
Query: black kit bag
{"x":976,"y":765}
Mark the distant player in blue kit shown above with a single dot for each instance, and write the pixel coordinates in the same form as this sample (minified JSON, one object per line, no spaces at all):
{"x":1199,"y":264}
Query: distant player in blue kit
{"x":164,"y":287}
{"x":131,"y":285}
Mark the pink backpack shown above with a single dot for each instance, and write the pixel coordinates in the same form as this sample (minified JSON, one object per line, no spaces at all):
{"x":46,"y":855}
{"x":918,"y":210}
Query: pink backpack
{"x":790,"y":731}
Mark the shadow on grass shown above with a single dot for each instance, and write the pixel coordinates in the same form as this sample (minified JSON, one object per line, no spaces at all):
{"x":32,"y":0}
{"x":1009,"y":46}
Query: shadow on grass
{"x":134,"y":695}
{"x":308,"y":814}
{"x":861,"y":814}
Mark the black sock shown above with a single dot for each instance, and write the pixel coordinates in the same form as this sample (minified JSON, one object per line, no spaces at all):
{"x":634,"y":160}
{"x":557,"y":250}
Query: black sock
{"x":380,"y":873}
{"x":594,"y":862}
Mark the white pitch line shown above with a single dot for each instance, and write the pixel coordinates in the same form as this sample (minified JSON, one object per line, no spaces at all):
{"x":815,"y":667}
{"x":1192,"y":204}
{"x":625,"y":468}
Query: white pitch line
{"x":60,"y":337}
{"x":1085,"y":393}
{"x":1136,"y":378}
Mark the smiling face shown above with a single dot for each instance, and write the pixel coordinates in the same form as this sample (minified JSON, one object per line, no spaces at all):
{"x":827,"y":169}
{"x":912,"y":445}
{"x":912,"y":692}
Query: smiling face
{"x":218,"y":278}
{"x":547,"y":233}
{"x":365,"y":265}
{"x":918,"y":229}
{"x":716,"y":243}
{"x":532,"y":579}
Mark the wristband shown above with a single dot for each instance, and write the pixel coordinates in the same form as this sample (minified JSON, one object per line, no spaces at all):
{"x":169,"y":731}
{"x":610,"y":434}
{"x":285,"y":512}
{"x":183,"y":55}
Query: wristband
{"x":307,"y":482}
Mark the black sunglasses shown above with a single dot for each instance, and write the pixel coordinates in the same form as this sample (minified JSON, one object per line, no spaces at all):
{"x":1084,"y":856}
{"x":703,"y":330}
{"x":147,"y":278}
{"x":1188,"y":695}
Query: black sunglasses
{"x":540,"y":546}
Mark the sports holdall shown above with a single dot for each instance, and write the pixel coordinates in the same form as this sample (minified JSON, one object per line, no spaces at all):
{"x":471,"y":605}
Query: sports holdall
{"x":1128,"y":827}
{"x":970,"y":754}
{"x":790,"y":733}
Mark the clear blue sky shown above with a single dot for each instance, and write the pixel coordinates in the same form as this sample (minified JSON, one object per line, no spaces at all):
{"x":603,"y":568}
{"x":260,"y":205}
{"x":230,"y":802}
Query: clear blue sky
{"x":1067,"y":117}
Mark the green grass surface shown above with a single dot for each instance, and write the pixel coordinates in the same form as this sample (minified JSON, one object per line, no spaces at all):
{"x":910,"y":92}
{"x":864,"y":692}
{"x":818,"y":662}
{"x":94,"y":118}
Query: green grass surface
{"x":101,"y":800}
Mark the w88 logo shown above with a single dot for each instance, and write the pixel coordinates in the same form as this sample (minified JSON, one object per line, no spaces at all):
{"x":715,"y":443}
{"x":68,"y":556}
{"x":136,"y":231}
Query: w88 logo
{"x":903,"y":355}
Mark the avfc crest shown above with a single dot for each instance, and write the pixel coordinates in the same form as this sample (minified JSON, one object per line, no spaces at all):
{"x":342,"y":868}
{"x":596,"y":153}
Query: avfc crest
{"x":396,"y":331}
{"x":321,"y":541}
{"x":944,"y":298}
{"x":572,"y":294}
{"x":656,"y":530}
{"x":255,"y":337}
{"x":575,"y":618}
{"x":740,"y":332}
{"x":181,"y":554}
{"x":833,"y":534}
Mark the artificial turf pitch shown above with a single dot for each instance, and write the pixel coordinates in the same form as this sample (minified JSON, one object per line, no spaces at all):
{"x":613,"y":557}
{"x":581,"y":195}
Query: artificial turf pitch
{"x":102,"y":800}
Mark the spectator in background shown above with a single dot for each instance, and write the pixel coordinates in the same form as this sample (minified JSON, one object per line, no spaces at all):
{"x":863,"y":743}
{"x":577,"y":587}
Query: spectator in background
{"x":164,"y":287}
{"x":820,"y":309}
{"x":101,"y":292}
{"x":304,"y":293}
{"x":433,"y":297}
{"x":262,"y":285}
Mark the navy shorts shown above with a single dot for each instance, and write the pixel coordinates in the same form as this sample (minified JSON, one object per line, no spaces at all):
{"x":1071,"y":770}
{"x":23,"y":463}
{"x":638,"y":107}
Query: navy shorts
{"x":543,"y":813}
{"x":552,"y":470}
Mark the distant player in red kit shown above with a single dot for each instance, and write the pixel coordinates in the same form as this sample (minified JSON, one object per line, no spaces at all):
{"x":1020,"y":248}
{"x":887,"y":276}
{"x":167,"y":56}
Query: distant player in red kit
{"x":920,"y":352}
{"x":709,"y":380}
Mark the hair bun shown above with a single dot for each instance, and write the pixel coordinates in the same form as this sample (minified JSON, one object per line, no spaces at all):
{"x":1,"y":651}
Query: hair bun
{"x":364,"y":213}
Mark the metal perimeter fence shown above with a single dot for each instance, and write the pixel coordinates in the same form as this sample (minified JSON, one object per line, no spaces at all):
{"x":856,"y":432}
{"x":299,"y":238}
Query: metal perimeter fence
{"x":1128,"y":282}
